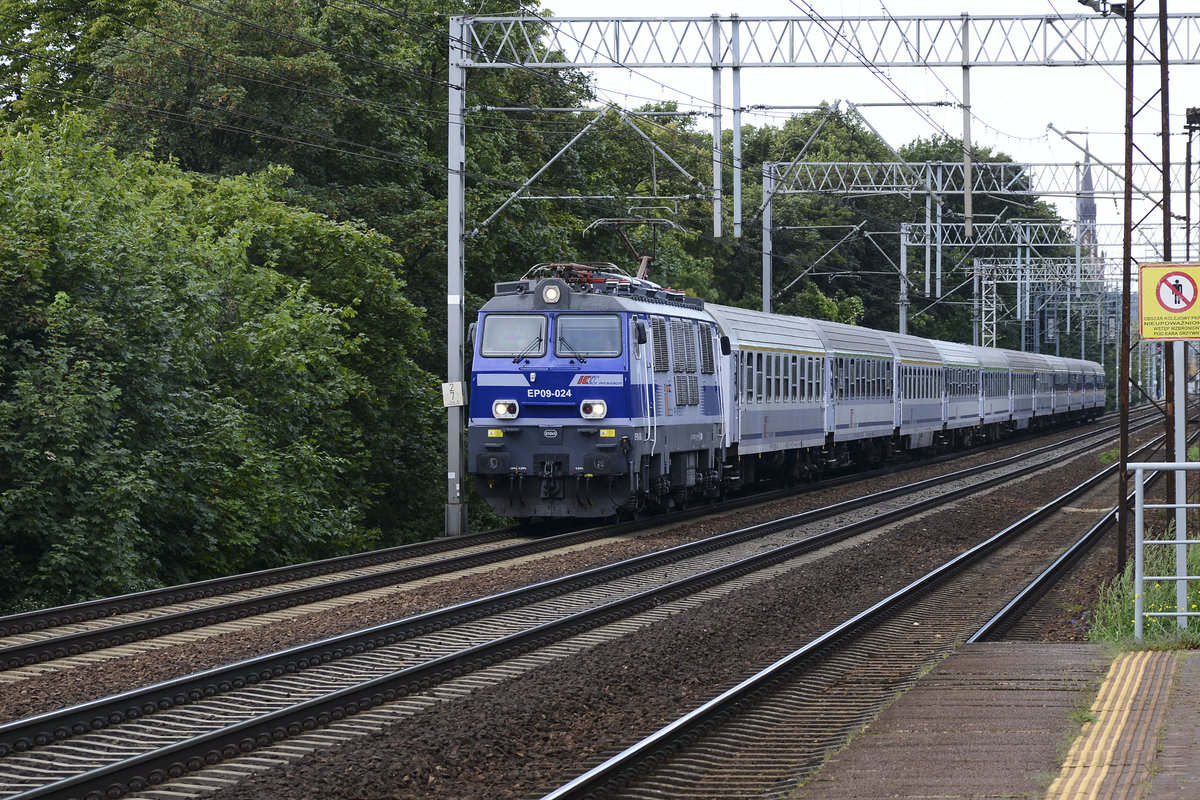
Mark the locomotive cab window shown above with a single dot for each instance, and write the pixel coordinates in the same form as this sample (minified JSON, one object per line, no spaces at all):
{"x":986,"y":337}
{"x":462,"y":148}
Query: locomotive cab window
{"x":513,"y":336}
{"x":587,"y":336}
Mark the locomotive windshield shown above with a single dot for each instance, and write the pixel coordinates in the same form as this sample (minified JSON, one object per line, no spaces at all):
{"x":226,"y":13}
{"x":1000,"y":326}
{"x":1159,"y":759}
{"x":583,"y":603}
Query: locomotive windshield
{"x":587,"y":335}
{"x":513,"y":335}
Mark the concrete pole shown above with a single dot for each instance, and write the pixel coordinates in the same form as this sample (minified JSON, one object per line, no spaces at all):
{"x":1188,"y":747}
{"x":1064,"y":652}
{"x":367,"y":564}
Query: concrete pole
{"x":718,"y":158}
{"x":737,"y":127}
{"x":903,"y":284}
{"x":767,"y":243}
{"x":968,"y":210}
{"x":456,"y":511}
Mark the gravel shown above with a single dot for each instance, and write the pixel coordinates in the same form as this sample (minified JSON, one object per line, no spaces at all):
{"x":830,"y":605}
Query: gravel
{"x":531,"y":733}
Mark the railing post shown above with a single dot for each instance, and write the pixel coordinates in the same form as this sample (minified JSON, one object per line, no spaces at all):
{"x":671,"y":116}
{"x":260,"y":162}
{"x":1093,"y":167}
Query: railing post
{"x":1139,"y":566}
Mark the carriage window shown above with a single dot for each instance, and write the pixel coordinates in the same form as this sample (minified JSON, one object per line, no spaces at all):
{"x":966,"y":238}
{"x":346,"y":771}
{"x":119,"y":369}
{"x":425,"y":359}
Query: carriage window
{"x":748,"y":375}
{"x":778,"y":359}
{"x":758,"y":375}
{"x":513,"y":335}
{"x":587,"y":335}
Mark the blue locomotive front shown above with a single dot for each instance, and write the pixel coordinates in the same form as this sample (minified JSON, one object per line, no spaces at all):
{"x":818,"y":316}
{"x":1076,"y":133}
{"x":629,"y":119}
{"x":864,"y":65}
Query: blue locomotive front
{"x":567,"y":410}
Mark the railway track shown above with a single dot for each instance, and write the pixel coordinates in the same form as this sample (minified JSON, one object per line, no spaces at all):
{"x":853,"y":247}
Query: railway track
{"x":32,"y":643}
{"x":765,"y":737}
{"x":200,"y":731}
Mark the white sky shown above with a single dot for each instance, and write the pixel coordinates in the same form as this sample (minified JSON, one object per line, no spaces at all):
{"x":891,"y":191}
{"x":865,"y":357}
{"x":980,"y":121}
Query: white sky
{"x":1012,"y":105}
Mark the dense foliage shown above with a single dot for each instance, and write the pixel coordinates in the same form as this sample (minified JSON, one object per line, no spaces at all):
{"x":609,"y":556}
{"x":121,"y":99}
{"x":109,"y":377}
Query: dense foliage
{"x":223,"y":261}
{"x":191,"y":374}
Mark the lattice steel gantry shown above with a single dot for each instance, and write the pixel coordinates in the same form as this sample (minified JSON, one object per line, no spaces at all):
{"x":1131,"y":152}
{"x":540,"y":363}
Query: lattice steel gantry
{"x":734,"y":43}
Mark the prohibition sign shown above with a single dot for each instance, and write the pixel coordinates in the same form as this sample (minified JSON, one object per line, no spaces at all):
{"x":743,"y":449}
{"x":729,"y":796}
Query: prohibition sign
{"x":1176,"y":292}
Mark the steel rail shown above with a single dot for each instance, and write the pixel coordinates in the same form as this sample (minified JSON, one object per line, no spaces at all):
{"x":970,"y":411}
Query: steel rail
{"x":998,"y":626}
{"x":622,"y":770}
{"x":18,"y":735}
{"x":87,"y":611}
{"x":174,"y":760}
{"x":47,"y":649}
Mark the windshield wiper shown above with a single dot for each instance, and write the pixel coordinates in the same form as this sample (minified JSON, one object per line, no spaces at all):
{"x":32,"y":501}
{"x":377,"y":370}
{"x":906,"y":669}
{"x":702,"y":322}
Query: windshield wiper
{"x":529,"y":348}
{"x":573,"y":351}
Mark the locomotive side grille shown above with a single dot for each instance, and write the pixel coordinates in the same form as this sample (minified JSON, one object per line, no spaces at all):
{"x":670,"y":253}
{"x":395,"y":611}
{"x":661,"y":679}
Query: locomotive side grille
{"x":687,"y":390}
{"x":661,"y":360}
{"x":678,"y":346}
{"x":707,"y":362}
{"x":689,"y":345}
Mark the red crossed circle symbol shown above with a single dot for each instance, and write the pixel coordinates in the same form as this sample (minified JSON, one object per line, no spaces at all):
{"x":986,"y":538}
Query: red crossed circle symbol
{"x":1176,"y":292}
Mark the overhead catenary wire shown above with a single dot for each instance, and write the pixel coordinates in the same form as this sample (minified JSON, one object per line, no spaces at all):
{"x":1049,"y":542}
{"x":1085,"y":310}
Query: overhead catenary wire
{"x":673,"y":131}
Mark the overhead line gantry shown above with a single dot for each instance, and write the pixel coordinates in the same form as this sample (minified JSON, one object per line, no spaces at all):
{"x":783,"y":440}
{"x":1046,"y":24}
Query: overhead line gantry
{"x":733,"y":43}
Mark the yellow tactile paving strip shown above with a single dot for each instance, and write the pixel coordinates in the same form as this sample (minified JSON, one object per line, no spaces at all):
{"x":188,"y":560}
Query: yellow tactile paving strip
{"x":1111,"y":758}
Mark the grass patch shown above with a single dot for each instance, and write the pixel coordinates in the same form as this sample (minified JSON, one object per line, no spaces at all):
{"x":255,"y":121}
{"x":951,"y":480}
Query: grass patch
{"x":1113,"y":619}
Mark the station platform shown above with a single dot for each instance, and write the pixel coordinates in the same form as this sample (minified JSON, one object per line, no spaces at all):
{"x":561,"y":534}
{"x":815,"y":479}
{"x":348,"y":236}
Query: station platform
{"x":1030,"y":720}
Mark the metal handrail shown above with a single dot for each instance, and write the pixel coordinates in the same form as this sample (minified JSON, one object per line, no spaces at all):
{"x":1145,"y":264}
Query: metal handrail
{"x":1179,"y":540}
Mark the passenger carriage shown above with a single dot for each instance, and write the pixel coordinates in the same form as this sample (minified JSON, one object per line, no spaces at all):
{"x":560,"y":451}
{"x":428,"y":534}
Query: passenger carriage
{"x":861,"y":371}
{"x":1024,"y":368}
{"x":1043,"y":386}
{"x":919,"y":395}
{"x":965,"y":406}
{"x":779,"y":364}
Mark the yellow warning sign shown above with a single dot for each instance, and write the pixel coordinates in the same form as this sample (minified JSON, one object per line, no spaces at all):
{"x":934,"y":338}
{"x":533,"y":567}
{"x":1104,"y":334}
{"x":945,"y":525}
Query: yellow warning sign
{"x":1167,"y":297}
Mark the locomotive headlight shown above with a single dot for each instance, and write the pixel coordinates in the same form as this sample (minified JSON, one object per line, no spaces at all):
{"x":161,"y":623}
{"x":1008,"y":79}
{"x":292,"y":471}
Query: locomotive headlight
{"x":505,"y":409}
{"x":593,"y":409}
{"x":551,"y":294}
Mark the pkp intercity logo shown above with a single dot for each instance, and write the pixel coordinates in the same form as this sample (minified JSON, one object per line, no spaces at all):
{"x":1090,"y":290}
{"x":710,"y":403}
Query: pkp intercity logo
{"x":598,"y":380}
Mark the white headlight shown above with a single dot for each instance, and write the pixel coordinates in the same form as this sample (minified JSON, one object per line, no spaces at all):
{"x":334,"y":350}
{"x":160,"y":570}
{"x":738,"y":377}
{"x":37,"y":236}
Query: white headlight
{"x":551,"y":293}
{"x":593,"y":409}
{"x":505,"y":409}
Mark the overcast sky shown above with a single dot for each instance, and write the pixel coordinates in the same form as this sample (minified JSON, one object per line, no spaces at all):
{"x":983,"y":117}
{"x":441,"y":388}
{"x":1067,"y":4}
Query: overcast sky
{"x":1012,"y":105}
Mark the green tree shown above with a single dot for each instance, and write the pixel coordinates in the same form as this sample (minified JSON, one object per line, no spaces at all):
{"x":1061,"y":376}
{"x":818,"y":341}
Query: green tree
{"x":180,"y":394}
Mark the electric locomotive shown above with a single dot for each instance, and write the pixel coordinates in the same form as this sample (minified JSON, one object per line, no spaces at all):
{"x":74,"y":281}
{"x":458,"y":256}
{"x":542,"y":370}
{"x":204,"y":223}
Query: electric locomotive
{"x":593,"y":392}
